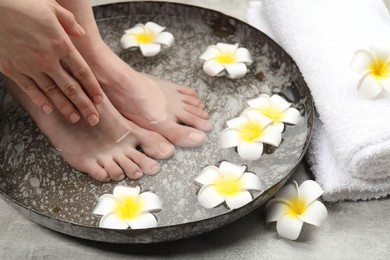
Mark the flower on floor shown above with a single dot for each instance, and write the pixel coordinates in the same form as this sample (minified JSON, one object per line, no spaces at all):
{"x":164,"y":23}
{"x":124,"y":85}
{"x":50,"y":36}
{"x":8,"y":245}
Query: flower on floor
{"x":148,"y":38}
{"x":277,"y":109}
{"x":248,"y":132}
{"x":126,"y":207}
{"x":294,"y":205}
{"x":222,"y":59}
{"x":229,"y":183}
{"x":374,"y":65}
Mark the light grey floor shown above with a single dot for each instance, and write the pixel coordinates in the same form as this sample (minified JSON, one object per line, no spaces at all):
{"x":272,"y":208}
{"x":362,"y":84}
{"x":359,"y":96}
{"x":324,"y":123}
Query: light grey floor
{"x":353,"y":230}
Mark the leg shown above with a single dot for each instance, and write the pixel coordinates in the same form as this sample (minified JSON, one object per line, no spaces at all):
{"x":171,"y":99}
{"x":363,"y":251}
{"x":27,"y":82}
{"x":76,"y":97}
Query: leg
{"x":151,"y":99}
{"x":105,"y":151}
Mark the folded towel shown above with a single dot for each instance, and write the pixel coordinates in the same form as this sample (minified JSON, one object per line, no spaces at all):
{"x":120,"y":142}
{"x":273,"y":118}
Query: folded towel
{"x":354,"y":137}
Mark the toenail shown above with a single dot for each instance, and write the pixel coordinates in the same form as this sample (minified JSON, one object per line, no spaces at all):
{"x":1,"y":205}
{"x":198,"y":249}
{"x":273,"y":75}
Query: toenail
{"x":138,"y":175}
{"x":208,"y":125}
{"x":93,"y":119}
{"x":74,"y":117}
{"x":155,"y":169}
{"x":46,"y":108}
{"x":166,"y":148}
{"x":196,"y":137}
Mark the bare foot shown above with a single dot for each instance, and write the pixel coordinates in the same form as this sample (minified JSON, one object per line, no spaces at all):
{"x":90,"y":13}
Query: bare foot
{"x":136,"y":95}
{"x":105,"y":151}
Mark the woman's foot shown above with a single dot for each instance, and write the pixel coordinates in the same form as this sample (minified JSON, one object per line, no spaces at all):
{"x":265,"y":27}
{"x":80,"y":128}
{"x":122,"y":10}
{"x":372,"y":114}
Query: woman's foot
{"x":106,"y":151}
{"x":136,"y":96}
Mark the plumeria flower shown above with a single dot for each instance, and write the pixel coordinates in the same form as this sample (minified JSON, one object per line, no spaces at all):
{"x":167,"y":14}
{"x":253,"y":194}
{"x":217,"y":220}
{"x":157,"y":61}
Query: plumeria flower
{"x":248,"y":132}
{"x":294,"y":205}
{"x":148,"y":38}
{"x":229,"y":183}
{"x":222,"y":59}
{"x":277,"y":109}
{"x":126,"y":207}
{"x":374,"y":65}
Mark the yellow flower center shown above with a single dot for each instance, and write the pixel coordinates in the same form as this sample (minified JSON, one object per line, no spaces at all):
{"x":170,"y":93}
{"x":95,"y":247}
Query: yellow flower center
{"x":145,"y":37}
{"x":228,"y":185}
{"x":226,"y":58}
{"x":380,"y":69}
{"x":250,"y":132}
{"x":272,"y":113}
{"x":297,"y":207}
{"x":128,"y":207}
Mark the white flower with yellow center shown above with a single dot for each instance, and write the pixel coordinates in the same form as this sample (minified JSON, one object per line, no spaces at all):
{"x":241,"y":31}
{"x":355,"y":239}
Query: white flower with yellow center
{"x":277,"y":109}
{"x":222,"y":59}
{"x":294,"y":205}
{"x":248,"y":133}
{"x":229,"y":183}
{"x":148,"y":38}
{"x":126,"y":207}
{"x":374,"y":65}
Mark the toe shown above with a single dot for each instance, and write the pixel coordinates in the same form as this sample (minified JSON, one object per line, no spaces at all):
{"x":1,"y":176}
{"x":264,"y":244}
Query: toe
{"x":113,"y":169}
{"x":195,"y":121}
{"x":129,"y":167}
{"x":193,"y":101}
{"x":156,"y":146}
{"x":197,"y":111}
{"x":96,"y":171}
{"x":146,"y":164}
{"x":183,"y":136}
{"x":187,"y":91}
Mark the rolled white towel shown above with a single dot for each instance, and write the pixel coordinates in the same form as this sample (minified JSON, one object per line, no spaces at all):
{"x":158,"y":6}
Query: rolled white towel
{"x":322,"y":37}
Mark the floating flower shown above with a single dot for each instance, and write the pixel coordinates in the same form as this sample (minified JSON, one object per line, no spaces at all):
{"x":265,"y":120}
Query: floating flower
{"x":375,"y":67}
{"x":226,"y":58}
{"x":148,"y":38}
{"x":229,"y":183}
{"x":294,"y":205}
{"x":248,"y":133}
{"x":126,"y":207}
{"x":277,"y":109}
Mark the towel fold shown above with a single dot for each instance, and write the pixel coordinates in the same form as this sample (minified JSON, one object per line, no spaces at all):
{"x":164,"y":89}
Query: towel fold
{"x":350,"y":151}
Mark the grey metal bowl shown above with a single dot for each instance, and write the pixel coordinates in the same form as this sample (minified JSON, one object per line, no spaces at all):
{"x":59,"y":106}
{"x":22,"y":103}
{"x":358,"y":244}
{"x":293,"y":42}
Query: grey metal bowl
{"x":35,"y":179}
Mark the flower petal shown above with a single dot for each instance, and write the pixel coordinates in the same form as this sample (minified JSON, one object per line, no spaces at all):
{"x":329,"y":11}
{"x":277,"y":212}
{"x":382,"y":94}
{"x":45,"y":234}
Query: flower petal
{"x":236,"y":70}
{"x":211,"y":52}
{"x":279,"y":126}
{"x":227,"y":48}
{"x":279,"y":103}
{"x":251,"y":181}
{"x":209,"y":198}
{"x":231,"y":169}
{"x":105,"y":205}
{"x":165,"y":38}
{"x":154,"y":28}
{"x":212,"y":68}
{"x":120,"y":190}
{"x":369,"y":86}
{"x":260,"y":102}
{"x":309,"y":191}
{"x":250,"y":150}
{"x":151,"y":49}
{"x":112,"y":221}
{"x":385,"y":82}
{"x":289,"y":227}
{"x":243,"y":55}
{"x":150,"y":202}
{"x":137,"y":29}
{"x":128,"y":41}
{"x":254,"y":115}
{"x":208,"y":175}
{"x":230,"y":137}
{"x":146,"y":220}
{"x":287,"y":192}
{"x":381,"y":49}
{"x":361,"y":61}
{"x":271,"y":135}
{"x":238,"y":200}
{"x":315,"y":214}
{"x":237,"y":122}
{"x":276,"y":209}
{"x":291,"y":116}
